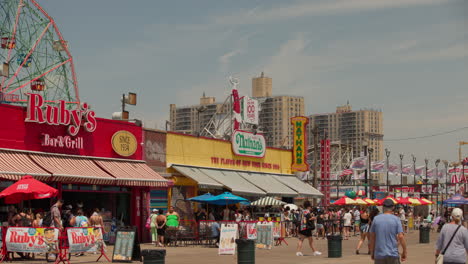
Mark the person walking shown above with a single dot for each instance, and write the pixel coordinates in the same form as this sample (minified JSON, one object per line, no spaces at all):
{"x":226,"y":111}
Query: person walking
{"x":306,"y":228}
{"x":357,"y":220}
{"x":385,"y":230}
{"x":347,"y":224}
{"x":153,"y":229}
{"x":161,"y":227}
{"x":364,"y":225}
{"x":452,"y":243}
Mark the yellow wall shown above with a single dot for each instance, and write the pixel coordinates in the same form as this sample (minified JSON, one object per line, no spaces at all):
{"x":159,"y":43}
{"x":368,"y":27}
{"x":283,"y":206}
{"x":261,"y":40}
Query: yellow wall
{"x":204,"y":152}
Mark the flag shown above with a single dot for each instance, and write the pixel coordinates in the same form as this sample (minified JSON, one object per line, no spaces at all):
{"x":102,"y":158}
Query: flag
{"x":378,"y":166}
{"x":392,"y":168}
{"x":359,"y":176}
{"x":419,"y":171}
{"x":346,"y":172}
{"x":359,"y":163}
{"x":407,"y":169}
{"x":431,"y":173}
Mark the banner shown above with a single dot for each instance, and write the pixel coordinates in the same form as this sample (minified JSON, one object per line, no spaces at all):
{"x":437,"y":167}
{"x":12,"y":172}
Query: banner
{"x":359,"y":163}
{"x":299,"y":162}
{"x":265,"y":235}
{"x":276,"y":229}
{"x":227,"y":240}
{"x":325,"y":161}
{"x":249,"y":110}
{"x":32,"y":240}
{"x":251,"y":230}
{"x":85,"y":239}
{"x":378,"y":166}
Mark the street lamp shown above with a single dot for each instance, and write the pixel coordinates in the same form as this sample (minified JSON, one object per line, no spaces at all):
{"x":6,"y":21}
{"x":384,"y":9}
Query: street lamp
{"x":436,"y":177}
{"x":369,"y":150}
{"x":401,"y":170}
{"x":446,"y":177}
{"x":387,"y":153}
{"x":414,"y":169}
{"x":426,"y":161}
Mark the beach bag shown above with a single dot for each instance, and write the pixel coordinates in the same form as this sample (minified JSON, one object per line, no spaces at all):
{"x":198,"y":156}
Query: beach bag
{"x":440,"y":258}
{"x":148,"y":222}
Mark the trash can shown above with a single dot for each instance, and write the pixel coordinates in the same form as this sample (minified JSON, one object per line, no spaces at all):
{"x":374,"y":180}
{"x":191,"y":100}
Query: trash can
{"x":424,"y":232}
{"x":153,"y":256}
{"x":334,"y":246}
{"x":245,"y":251}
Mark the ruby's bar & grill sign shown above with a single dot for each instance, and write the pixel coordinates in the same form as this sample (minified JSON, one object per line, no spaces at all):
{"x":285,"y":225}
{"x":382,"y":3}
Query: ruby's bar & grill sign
{"x":299,"y":144}
{"x":32,"y":240}
{"x":76,"y":118}
{"x":85,"y":239}
{"x":248,"y":144}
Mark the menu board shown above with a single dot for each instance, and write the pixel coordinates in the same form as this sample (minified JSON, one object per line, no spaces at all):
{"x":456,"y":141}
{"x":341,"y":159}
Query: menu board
{"x":126,"y":242}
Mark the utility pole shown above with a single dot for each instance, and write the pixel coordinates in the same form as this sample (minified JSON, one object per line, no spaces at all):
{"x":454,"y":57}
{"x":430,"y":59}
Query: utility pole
{"x":315,"y":134}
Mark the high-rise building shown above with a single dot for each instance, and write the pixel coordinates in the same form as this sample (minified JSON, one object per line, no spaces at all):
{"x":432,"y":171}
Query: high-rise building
{"x":276,"y":112}
{"x":274,"y":116}
{"x":192,"y":119}
{"x":353,"y":128}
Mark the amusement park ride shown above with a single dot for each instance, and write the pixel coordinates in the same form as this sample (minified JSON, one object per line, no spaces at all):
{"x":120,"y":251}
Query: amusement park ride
{"x":34,"y":57}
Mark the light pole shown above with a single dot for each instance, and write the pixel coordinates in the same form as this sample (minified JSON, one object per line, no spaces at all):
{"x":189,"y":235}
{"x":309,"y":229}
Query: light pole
{"x":369,"y":151}
{"x":401,"y":170}
{"x":414,"y":170}
{"x":426,"y":161}
{"x":446,"y":177}
{"x":387,"y":153}
{"x":436,"y":177}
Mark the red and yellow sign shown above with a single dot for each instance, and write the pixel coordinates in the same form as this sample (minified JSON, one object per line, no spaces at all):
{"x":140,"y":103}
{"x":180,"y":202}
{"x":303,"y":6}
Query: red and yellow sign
{"x":299,"y":162}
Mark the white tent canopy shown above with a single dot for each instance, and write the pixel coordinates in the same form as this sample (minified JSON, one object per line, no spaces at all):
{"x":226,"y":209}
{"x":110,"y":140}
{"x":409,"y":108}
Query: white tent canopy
{"x":268,"y":201}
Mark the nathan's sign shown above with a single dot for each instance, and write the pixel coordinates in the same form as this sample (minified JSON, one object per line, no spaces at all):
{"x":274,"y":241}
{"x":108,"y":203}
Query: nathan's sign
{"x":248,"y":144}
{"x":299,"y":144}
{"x":79,"y":117}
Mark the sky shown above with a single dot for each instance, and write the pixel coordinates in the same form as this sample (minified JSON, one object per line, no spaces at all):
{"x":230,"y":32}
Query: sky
{"x":408,"y":58}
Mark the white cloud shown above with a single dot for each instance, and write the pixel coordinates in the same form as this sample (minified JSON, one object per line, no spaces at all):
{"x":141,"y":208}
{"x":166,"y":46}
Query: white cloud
{"x":225,"y":59}
{"x":316,"y":8}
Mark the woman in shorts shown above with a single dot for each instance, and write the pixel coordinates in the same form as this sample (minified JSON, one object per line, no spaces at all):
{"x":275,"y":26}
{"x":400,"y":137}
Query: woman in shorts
{"x":364,"y":228}
{"x":306,"y":228}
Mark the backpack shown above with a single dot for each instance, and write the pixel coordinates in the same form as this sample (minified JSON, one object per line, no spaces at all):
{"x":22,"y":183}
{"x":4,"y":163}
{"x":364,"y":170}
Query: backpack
{"x":47,"y":220}
{"x":148,"y":222}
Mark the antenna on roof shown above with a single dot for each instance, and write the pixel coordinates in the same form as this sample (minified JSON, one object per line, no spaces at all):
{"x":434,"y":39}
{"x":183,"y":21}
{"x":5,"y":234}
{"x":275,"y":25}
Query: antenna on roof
{"x":203,"y":94}
{"x":347,"y":102}
{"x":262,"y":75}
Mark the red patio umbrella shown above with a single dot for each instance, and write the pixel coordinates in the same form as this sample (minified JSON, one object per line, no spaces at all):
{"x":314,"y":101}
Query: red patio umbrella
{"x":27,"y":188}
{"x":405,"y":200}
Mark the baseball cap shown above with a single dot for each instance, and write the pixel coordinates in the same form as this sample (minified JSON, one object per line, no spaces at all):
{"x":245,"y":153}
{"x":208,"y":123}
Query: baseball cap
{"x":457,"y":213}
{"x":388,"y":203}
{"x":155,"y":210}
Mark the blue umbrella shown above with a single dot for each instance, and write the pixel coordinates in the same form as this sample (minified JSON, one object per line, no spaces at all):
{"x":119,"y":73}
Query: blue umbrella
{"x":202,"y":198}
{"x":226,"y":199}
{"x":457,"y":199}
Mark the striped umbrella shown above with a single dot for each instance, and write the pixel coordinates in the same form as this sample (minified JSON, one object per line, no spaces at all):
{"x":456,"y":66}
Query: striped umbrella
{"x":414,"y":201}
{"x":405,"y":200}
{"x":388,"y":197}
{"x":344,"y":201}
{"x":268,"y":201}
{"x":369,"y":201}
{"x":359,"y":201}
{"x":425,"y":201}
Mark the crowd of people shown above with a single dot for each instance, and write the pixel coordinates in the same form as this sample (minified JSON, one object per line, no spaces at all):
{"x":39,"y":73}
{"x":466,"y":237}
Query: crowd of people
{"x":59,"y":216}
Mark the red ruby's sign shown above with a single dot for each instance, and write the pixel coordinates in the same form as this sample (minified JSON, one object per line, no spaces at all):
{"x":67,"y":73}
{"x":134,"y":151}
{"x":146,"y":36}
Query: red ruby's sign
{"x":79,"y":117}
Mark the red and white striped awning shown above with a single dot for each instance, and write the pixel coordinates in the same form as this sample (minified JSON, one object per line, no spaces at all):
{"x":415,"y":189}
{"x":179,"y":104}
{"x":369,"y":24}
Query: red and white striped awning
{"x":14,"y":165}
{"x":132,"y":173}
{"x":72,"y":169}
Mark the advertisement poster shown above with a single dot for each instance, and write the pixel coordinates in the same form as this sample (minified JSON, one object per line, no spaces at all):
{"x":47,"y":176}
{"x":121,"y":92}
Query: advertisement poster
{"x":265,"y":235}
{"x":32,"y":240}
{"x":124,"y":244}
{"x":276,"y":229}
{"x":86,"y":239}
{"x":251,"y":231}
{"x":227,"y":241}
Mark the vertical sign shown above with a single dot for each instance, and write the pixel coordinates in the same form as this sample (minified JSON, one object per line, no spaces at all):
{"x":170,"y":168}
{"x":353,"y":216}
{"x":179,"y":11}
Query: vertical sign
{"x":299,"y":144}
{"x":325,"y":170}
{"x":249,"y":110}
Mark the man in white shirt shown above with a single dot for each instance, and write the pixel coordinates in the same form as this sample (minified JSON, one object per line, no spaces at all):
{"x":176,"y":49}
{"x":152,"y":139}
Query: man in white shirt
{"x":402,"y":215}
{"x":357,"y":220}
{"x":347,"y":224}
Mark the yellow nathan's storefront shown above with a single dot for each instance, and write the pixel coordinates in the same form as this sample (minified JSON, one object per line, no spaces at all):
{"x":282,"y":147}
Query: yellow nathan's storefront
{"x":198,"y":165}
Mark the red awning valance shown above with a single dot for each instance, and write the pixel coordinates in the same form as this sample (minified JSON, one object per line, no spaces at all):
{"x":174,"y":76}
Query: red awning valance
{"x":14,"y":165}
